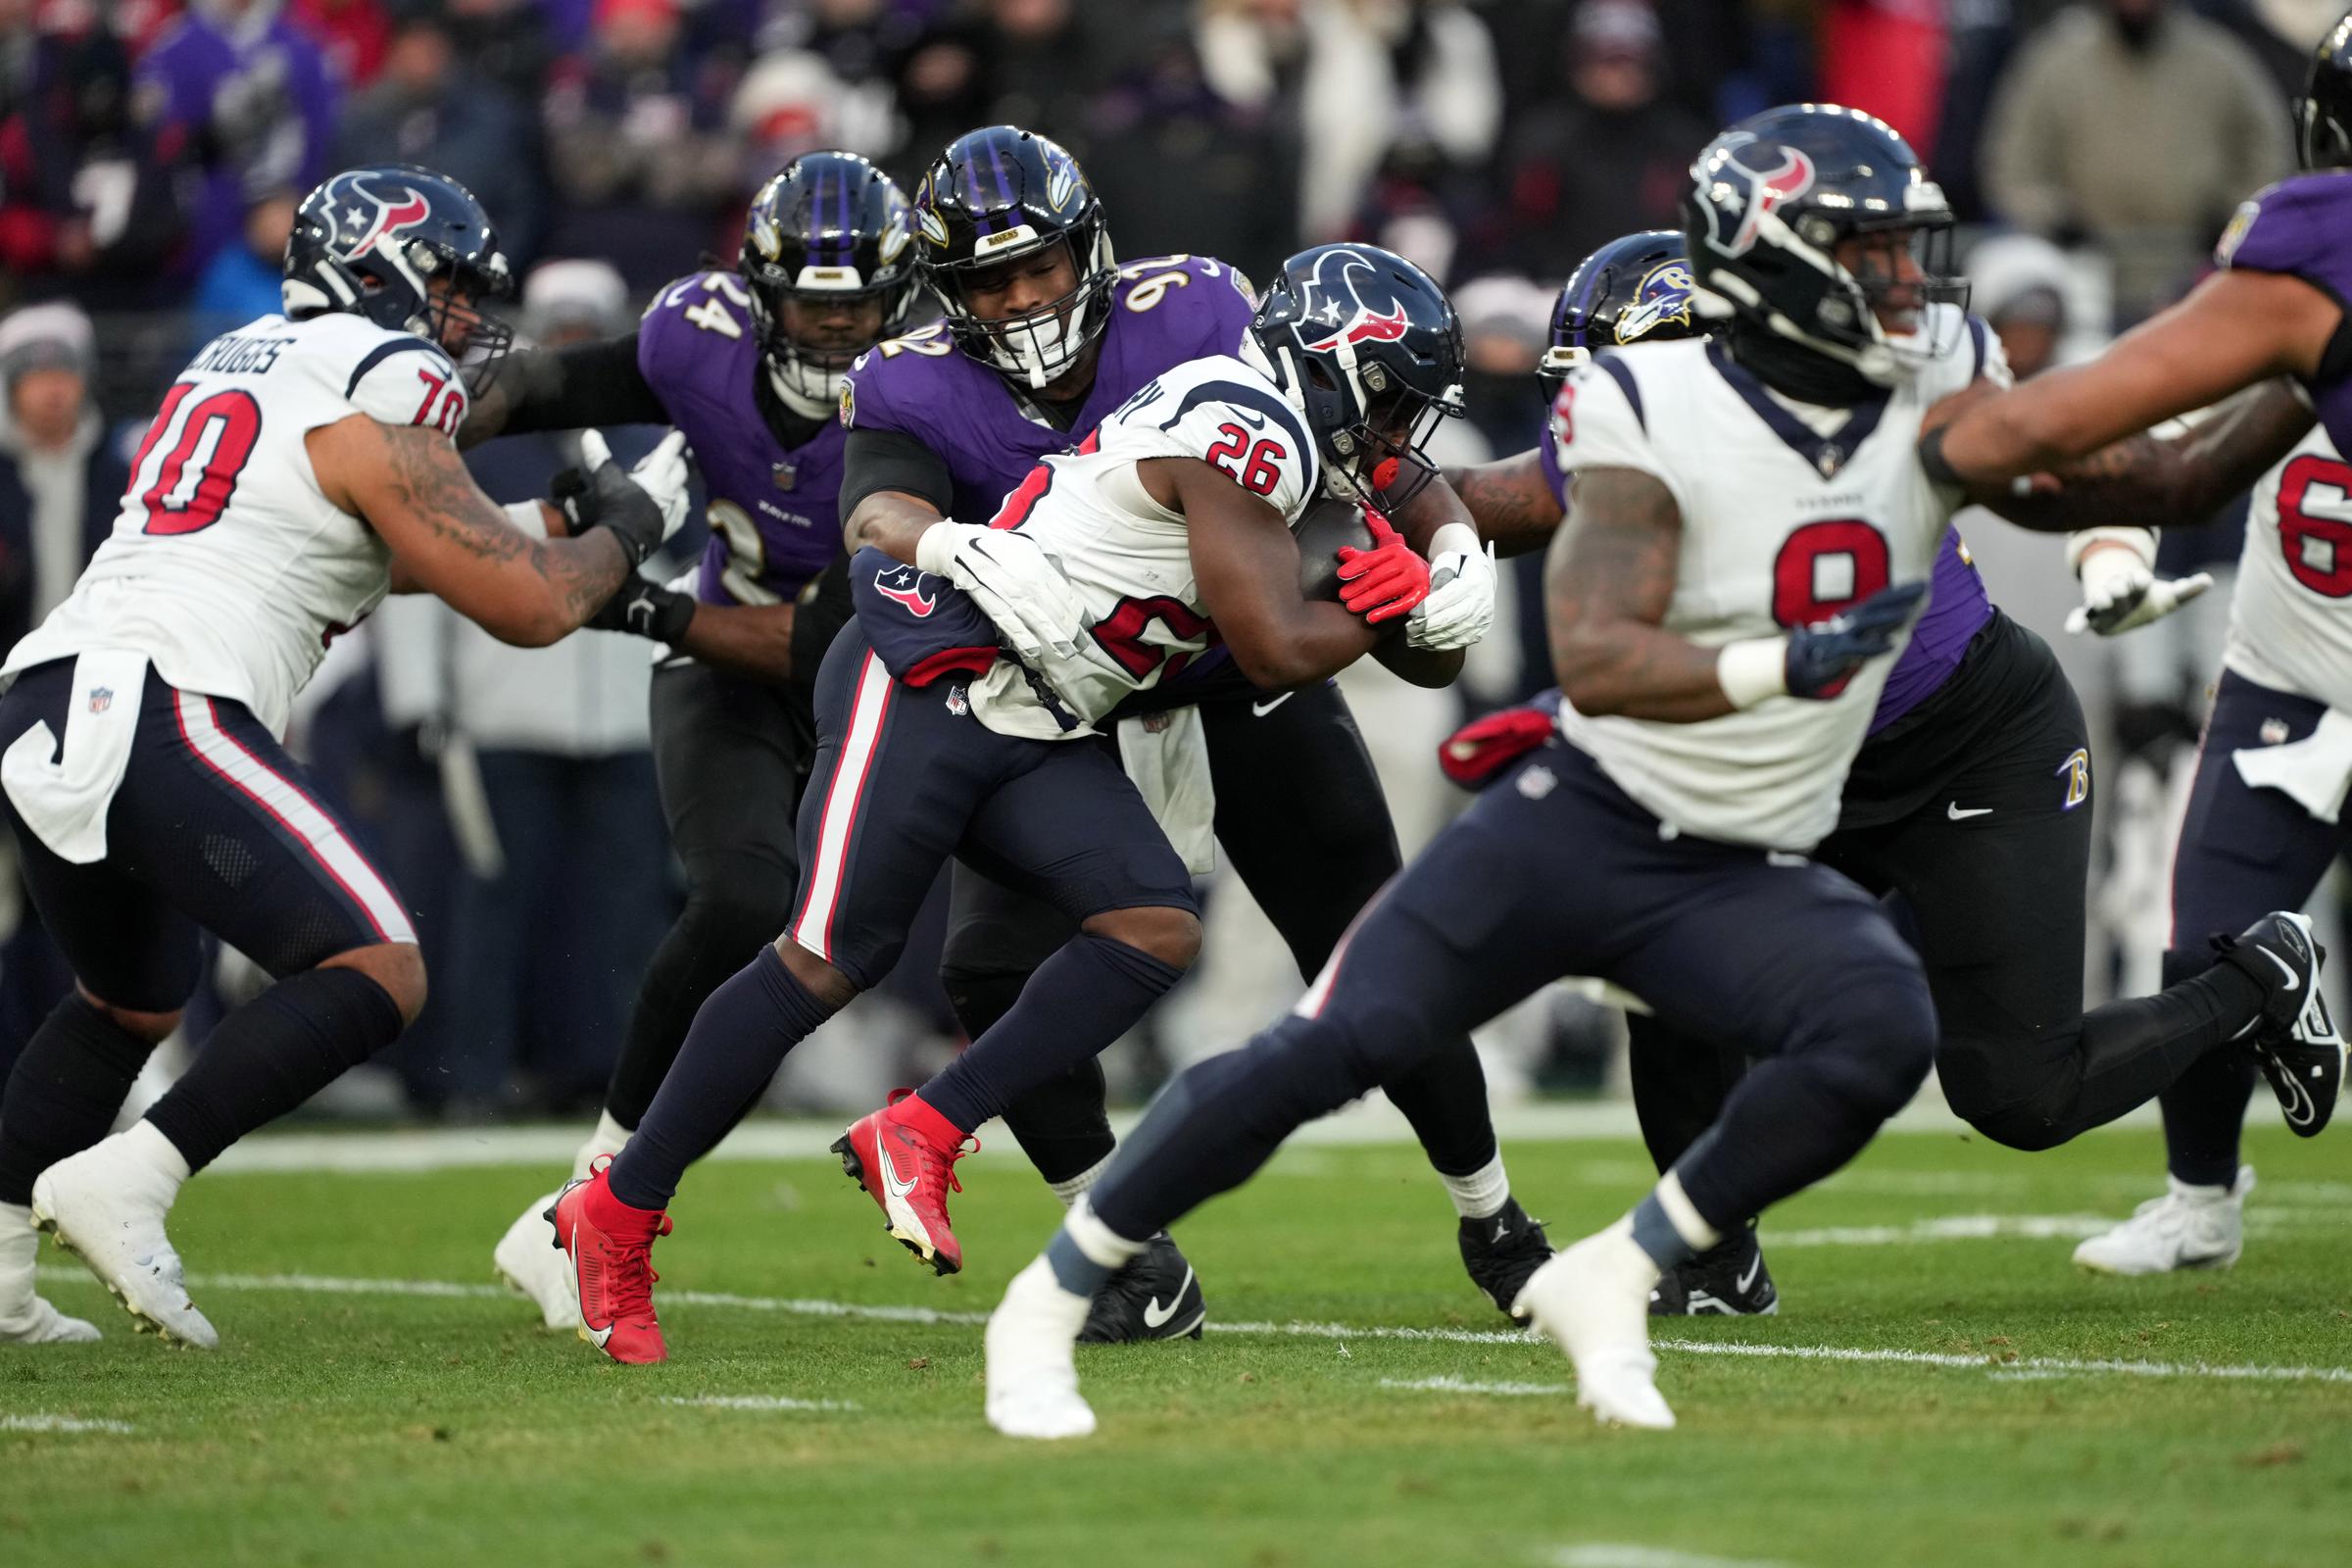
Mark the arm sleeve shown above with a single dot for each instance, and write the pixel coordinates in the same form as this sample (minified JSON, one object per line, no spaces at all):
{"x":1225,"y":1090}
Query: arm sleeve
{"x":874,"y":461}
{"x":595,"y":384}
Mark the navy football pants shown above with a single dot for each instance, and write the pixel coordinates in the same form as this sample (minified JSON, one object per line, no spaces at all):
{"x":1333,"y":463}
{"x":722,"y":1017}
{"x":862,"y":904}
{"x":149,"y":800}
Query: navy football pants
{"x":2243,"y":852}
{"x":1555,"y":871}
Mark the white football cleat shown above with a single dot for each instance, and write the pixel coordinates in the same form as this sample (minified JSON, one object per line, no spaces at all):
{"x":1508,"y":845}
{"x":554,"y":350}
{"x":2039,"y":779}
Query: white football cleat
{"x":24,"y":1318}
{"x":108,"y":1207}
{"x":2188,"y":1227}
{"x":1032,"y":1367}
{"x":1593,"y":1301}
{"x":534,"y":1265}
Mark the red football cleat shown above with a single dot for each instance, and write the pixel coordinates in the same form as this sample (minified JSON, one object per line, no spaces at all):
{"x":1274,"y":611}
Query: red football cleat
{"x":610,"y":1246}
{"x":905,"y":1157}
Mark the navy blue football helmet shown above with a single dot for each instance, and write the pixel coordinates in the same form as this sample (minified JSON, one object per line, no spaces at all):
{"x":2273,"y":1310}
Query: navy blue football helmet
{"x":1771,"y":200}
{"x":1632,"y":290}
{"x":2324,"y":113}
{"x":997,"y":194}
{"x":1368,"y":347}
{"x":828,"y":228}
{"x":369,"y":241}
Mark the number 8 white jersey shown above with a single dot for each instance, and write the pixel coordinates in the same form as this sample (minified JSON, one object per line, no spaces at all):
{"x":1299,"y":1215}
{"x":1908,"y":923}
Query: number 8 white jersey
{"x":2291,"y":622}
{"x":1790,"y":513}
{"x":1128,"y":556}
{"x":228,"y":567}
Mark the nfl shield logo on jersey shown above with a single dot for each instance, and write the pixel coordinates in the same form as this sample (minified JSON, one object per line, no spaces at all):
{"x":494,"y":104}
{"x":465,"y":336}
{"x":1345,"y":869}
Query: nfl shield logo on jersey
{"x":958,"y":703}
{"x":102,"y":697}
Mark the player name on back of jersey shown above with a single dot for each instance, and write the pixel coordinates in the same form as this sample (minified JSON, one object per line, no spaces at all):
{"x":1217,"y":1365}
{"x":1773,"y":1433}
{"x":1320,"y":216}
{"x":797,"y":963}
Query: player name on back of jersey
{"x":233,"y":354}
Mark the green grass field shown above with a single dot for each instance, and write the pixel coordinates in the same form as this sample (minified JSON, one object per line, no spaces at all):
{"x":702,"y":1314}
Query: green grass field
{"x":347,"y":1424}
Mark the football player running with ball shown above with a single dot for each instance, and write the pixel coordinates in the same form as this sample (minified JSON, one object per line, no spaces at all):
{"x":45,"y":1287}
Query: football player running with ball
{"x":934,"y":744}
{"x":299,"y":468}
{"x":1751,"y":536}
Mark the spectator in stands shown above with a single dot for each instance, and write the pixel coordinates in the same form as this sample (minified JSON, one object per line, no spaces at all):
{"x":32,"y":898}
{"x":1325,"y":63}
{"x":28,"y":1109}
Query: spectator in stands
{"x":428,"y":107}
{"x":505,"y":42}
{"x":90,"y":201}
{"x":60,"y":483}
{"x":354,"y":33}
{"x":641,"y":153}
{"x":2137,"y":124}
{"x":1610,"y":156}
{"x":549,"y":775}
{"x":256,"y":101}
{"x":242,"y":283}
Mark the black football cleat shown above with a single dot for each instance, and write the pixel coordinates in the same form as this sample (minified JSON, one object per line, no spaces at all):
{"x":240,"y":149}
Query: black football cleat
{"x":1727,"y":1280}
{"x":1501,"y":1252}
{"x":1155,"y":1296}
{"x":2295,"y":1040}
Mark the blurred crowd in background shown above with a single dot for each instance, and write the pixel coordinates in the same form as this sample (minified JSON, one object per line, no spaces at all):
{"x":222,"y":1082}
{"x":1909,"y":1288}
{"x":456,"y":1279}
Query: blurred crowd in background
{"x":151,"y":153}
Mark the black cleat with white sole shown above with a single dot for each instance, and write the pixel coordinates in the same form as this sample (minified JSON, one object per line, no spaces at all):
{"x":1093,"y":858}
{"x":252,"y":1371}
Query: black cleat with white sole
{"x":1501,"y":1252}
{"x":2295,"y":1040}
{"x":1155,"y":1296}
{"x":1727,"y":1280}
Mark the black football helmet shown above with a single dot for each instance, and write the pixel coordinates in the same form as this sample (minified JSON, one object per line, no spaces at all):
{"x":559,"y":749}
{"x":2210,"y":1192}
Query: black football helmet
{"x":2324,"y":113}
{"x":1770,"y":201}
{"x":1368,"y":347}
{"x":997,"y":194}
{"x":828,"y":227}
{"x":1632,"y":290}
{"x":369,"y":240}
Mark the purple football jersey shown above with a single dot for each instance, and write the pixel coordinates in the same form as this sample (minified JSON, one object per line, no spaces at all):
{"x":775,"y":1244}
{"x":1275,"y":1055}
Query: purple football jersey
{"x":1165,"y":311}
{"x":2303,"y":227}
{"x":775,"y":513}
{"x":1957,"y":610}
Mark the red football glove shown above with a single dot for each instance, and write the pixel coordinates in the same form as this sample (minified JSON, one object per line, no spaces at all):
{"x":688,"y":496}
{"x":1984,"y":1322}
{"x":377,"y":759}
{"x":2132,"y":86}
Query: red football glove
{"x":1474,"y":753}
{"x":1384,"y":582}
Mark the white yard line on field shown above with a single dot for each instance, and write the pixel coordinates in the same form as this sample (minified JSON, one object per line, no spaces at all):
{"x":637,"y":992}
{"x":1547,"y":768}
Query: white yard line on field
{"x":928,"y":1316}
{"x":1465,"y":1385}
{"x":1620,"y":1554}
{"x":61,"y":1423}
{"x":757,"y":1401}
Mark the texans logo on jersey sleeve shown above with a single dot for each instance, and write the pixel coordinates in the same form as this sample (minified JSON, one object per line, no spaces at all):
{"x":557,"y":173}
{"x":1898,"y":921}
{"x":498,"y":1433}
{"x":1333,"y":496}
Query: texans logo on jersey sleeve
{"x":1735,"y":194}
{"x":903,"y":585}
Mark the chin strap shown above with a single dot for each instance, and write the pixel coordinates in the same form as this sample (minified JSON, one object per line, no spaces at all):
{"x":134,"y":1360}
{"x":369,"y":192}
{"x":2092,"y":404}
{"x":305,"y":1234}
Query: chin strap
{"x":806,"y":405}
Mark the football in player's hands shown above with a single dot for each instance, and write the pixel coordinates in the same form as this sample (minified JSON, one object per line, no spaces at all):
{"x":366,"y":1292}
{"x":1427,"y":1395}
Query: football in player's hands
{"x":1325,"y":528}
{"x":1385,"y":582}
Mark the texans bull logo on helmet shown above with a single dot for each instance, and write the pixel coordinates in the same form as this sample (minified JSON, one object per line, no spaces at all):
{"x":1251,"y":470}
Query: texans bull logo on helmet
{"x":365,"y":217}
{"x":1335,"y":294}
{"x":1736,"y":195}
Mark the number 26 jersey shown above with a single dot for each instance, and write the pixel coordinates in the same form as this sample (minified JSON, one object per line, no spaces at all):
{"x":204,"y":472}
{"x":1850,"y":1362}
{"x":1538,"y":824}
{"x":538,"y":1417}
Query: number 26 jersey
{"x":227,"y":567}
{"x":1790,"y":513}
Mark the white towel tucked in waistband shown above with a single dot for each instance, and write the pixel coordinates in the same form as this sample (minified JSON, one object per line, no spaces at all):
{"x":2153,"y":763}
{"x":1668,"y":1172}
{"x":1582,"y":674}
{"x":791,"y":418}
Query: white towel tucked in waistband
{"x":1166,"y":755}
{"x":66,"y":802}
{"x":2313,"y":771}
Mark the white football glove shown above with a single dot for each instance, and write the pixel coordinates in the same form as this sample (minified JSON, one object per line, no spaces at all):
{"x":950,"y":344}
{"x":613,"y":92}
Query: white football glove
{"x":662,"y":473}
{"x":2120,"y":591}
{"x":1461,"y":605}
{"x":1011,"y":579}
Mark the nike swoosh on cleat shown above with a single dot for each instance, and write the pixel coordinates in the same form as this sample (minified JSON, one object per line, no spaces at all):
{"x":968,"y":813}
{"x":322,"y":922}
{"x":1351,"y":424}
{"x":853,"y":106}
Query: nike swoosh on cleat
{"x":1155,"y":1315}
{"x":890,"y":1172}
{"x":1957,"y":815}
{"x":2294,"y":981}
{"x":1749,"y":1278}
{"x":595,"y":1337}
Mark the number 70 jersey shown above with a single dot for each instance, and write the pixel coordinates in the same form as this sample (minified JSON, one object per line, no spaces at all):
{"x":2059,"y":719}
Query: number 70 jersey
{"x":1128,"y":556}
{"x":1790,"y":514}
{"x":227,"y":567}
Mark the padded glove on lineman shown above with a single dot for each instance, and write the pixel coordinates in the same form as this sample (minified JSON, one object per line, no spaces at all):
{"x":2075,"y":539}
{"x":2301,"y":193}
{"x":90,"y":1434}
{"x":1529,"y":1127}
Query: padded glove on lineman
{"x":1460,"y":606}
{"x":1007,"y":574}
{"x":1384,"y":582}
{"x":642,"y":506}
{"x":2120,"y":591}
{"x":647,"y":609}
{"x":1822,"y":657}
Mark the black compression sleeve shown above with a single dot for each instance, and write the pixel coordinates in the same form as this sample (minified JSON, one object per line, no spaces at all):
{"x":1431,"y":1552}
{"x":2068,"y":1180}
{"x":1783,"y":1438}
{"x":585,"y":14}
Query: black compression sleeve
{"x":890,"y":459}
{"x":574,"y":388}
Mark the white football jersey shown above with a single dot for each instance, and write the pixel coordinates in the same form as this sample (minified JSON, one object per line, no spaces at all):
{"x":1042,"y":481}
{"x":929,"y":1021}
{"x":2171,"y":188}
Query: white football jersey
{"x":2290,"y":622}
{"x":1128,"y":556}
{"x":228,"y":567}
{"x":1790,"y":514}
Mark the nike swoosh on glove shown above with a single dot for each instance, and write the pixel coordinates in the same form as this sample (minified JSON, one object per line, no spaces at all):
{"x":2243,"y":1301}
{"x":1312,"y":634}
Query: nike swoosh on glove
{"x":1824,"y":656}
{"x":1010,"y":579}
{"x":1384,"y":582}
{"x":2121,"y":594}
{"x":1460,"y":606}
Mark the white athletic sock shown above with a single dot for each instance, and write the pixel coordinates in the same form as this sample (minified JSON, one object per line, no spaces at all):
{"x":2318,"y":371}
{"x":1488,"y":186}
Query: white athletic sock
{"x":146,"y":1144}
{"x":610,"y":1137}
{"x":1481,"y":1194}
{"x":1072,"y":1187}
